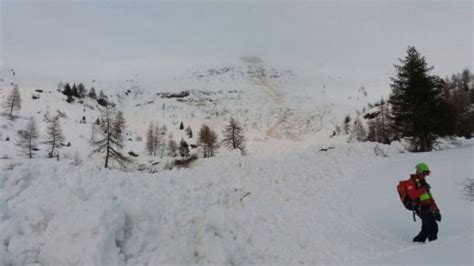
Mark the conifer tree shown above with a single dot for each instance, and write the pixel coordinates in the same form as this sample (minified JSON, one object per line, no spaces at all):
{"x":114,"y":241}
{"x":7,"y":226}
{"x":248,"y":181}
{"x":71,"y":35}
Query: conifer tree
{"x":75,"y":91}
{"x":346,"y":126}
{"x":92,"y":93}
{"x":102,"y":95}
{"x":416,"y":101}
{"x":28,"y":138}
{"x":207,"y":140}
{"x":233,"y":136}
{"x":81,"y":90}
{"x":67,"y":90}
{"x":119,"y":126}
{"x":110,"y":142}
{"x":154,"y":138}
{"x":149,"y":143}
{"x":13,"y":101}
{"x":54,"y":135}
{"x":163,"y":143}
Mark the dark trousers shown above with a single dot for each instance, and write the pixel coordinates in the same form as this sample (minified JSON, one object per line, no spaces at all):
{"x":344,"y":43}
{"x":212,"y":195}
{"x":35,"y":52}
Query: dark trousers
{"x":429,"y":227}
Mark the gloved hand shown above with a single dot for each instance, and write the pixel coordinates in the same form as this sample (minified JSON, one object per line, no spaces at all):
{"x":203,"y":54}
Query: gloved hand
{"x":436,"y":213}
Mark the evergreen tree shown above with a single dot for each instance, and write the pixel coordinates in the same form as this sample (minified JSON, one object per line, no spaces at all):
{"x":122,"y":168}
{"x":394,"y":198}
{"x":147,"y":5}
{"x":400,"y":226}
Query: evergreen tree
{"x":233,"y":136}
{"x":28,"y":138}
{"x":416,"y":101}
{"x":346,"y":126}
{"x":75,"y":91}
{"x":81,"y":90}
{"x":54,"y":135}
{"x":181,"y":126}
{"x":92,"y":93}
{"x":13,"y":101}
{"x":102,"y":95}
{"x":109,"y":143}
{"x":67,"y":90}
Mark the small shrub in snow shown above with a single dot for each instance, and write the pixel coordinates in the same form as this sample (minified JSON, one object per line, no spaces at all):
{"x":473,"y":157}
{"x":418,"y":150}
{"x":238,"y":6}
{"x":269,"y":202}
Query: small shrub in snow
{"x":379,"y":151}
{"x":11,"y":166}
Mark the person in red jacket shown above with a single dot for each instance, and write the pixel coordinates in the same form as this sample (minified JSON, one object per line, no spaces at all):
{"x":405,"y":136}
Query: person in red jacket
{"x":425,"y":206}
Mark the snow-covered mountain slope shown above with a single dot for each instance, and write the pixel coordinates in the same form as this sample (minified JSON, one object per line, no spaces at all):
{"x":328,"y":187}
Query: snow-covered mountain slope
{"x":279,"y":109}
{"x":312,"y":207}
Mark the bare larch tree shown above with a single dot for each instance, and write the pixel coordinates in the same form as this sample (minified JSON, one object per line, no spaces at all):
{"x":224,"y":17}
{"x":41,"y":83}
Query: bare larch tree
{"x":54,"y":135}
{"x":207,"y":140}
{"x":13,"y":101}
{"x":234,"y":136}
{"x":111,"y":142}
{"x":28,"y":138}
{"x":154,"y":137}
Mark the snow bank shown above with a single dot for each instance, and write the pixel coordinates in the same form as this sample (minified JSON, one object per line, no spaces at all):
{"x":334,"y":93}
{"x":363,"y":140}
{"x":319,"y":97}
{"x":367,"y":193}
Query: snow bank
{"x":282,"y":210}
{"x":227,"y":210}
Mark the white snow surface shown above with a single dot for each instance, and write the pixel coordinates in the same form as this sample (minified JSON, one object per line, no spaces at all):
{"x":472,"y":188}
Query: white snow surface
{"x":301,"y":207}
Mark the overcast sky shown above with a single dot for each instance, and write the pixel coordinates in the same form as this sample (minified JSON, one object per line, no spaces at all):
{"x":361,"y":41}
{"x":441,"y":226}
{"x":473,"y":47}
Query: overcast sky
{"x":110,"y":39}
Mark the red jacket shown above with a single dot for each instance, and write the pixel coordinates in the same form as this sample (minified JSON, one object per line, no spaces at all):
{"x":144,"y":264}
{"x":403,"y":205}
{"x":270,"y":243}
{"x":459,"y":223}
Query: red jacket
{"x":418,"y":191}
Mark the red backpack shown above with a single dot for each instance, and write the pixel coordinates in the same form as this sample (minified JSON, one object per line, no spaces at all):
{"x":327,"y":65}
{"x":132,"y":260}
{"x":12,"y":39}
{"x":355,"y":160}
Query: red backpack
{"x":403,"y":192}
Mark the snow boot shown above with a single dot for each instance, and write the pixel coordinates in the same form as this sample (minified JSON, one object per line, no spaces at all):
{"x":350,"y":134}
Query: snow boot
{"x":420,"y":238}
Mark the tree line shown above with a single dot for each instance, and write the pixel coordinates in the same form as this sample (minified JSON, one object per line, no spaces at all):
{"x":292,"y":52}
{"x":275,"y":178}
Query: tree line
{"x":107,"y":134}
{"x":421,"y":107}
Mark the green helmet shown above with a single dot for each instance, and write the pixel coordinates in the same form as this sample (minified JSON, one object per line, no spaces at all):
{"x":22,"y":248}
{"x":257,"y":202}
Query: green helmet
{"x":422,"y":167}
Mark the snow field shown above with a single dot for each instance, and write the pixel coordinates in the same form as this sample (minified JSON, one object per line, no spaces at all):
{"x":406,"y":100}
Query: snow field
{"x":202,"y":215}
